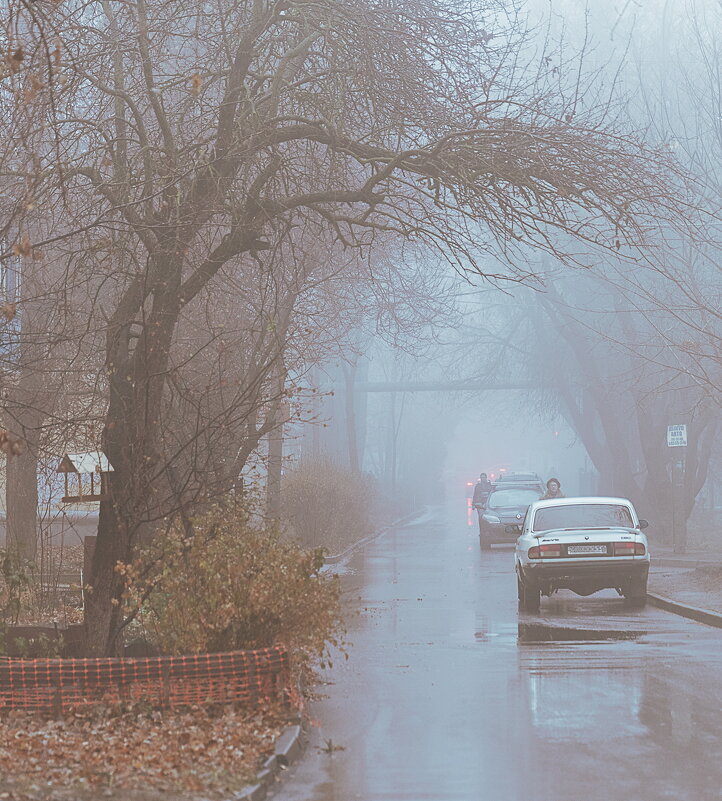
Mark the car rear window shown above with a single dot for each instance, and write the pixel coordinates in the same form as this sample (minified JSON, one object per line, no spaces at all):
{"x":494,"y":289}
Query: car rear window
{"x":512,"y":497}
{"x":537,"y":486}
{"x":587,"y":515}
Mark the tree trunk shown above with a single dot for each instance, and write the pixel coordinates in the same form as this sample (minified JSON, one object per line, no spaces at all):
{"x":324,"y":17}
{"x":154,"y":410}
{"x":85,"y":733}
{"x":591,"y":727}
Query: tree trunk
{"x":274,"y":467}
{"x":273,"y":480}
{"x":132,"y":442}
{"x":114,"y":544}
{"x":22,"y":503}
{"x":349,"y":374}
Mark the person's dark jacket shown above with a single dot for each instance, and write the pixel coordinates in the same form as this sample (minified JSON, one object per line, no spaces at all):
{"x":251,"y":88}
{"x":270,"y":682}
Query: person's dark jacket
{"x":481,"y":492}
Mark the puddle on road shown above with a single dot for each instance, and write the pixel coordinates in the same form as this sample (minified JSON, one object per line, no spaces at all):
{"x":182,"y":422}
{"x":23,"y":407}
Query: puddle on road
{"x":530,"y":633}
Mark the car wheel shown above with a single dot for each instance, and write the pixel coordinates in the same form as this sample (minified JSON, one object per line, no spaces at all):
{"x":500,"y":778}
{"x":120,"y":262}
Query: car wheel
{"x":530,"y":599}
{"x":635,"y":592}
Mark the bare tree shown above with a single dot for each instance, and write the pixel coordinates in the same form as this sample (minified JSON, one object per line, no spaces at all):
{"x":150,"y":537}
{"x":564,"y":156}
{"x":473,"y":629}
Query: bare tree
{"x":190,"y":139}
{"x":616,"y":398}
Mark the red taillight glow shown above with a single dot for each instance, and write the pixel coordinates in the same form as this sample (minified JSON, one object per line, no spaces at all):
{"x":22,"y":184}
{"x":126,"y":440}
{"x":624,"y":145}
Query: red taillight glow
{"x":545,"y":551}
{"x":629,"y":549}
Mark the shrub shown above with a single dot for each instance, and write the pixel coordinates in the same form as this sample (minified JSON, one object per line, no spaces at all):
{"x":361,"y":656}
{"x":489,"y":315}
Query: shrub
{"x":327,"y":505}
{"x":15,"y":585}
{"x":19,"y":594}
{"x":230,"y":586}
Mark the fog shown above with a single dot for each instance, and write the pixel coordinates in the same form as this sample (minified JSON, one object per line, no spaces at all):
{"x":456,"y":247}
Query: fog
{"x":587,"y":360}
{"x":402,"y":243}
{"x":280,"y":281}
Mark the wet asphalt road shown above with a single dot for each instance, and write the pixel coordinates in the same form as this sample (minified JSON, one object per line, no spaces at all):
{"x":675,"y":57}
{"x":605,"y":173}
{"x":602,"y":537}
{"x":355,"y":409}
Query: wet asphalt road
{"x":451,"y":693}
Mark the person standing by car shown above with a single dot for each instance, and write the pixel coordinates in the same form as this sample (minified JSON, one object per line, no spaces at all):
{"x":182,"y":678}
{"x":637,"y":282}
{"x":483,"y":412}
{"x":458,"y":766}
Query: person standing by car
{"x":481,"y":491}
{"x":554,"y":490}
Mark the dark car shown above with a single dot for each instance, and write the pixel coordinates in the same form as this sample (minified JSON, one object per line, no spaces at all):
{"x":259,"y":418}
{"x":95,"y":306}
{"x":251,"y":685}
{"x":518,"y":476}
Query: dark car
{"x":519,"y":480}
{"x":504,"y":509}
{"x":517,"y":476}
{"x":537,"y":486}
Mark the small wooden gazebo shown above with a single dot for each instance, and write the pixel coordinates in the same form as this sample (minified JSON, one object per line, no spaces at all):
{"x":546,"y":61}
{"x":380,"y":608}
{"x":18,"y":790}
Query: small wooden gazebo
{"x":92,"y":463}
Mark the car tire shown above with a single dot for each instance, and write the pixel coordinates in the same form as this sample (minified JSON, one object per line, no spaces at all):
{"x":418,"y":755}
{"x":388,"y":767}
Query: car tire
{"x":530,"y":599}
{"x":635,"y":593}
{"x":484,"y":543}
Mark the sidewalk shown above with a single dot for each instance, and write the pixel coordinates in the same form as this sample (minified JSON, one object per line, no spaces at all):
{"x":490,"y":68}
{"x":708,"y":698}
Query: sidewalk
{"x":693,"y":578}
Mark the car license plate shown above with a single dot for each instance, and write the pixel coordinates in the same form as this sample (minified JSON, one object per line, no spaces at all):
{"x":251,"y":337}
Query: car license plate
{"x":582,"y":549}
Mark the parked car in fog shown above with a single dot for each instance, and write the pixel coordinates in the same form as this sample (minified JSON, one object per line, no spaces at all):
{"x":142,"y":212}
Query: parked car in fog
{"x":504,"y":510}
{"x":516,"y":475}
{"x":520,"y":480}
{"x":583,"y":545}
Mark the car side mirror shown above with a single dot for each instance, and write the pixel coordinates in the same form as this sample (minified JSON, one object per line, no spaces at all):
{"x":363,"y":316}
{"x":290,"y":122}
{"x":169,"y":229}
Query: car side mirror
{"x":643,"y":524}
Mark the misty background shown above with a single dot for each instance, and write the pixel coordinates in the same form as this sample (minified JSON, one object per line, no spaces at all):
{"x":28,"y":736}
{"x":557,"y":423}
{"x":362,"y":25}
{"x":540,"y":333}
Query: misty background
{"x":413,"y":351}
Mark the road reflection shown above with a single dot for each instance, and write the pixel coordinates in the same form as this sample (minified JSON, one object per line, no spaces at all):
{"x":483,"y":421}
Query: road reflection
{"x":452,"y":695}
{"x":603,"y":685}
{"x":535,"y":633}
{"x":675,"y":715}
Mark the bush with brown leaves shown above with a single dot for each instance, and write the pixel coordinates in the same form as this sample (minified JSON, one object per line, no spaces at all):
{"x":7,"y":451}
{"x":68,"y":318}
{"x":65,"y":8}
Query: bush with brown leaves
{"x":232,"y":585}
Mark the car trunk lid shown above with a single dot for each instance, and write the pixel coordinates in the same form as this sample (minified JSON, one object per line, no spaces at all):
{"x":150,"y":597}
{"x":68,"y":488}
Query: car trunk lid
{"x":592,"y":543}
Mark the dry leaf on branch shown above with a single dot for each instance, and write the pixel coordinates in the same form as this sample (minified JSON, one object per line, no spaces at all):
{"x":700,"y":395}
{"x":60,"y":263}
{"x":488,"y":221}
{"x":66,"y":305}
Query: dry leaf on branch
{"x":15,"y":59}
{"x":33,"y":90}
{"x":23,"y":247}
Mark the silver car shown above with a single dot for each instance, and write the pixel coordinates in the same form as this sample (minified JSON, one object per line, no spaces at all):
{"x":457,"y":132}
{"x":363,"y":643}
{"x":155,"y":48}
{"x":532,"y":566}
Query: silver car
{"x":583,"y":545}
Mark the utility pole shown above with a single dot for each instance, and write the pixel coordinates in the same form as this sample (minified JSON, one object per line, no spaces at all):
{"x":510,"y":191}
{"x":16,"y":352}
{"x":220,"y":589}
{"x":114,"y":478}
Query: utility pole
{"x":677,"y":438}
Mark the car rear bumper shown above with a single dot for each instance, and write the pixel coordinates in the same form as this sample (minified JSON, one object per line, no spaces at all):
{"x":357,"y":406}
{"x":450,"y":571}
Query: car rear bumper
{"x":610,"y":573}
{"x":496,"y":533}
{"x":501,"y":538}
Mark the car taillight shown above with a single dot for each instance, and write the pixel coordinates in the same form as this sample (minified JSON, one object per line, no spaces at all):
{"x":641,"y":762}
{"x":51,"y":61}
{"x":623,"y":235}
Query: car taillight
{"x":534,"y":552}
{"x":629,"y":549}
{"x":550,"y":551}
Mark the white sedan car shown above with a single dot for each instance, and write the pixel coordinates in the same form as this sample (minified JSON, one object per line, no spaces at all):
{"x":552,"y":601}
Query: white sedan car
{"x":583,"y":545}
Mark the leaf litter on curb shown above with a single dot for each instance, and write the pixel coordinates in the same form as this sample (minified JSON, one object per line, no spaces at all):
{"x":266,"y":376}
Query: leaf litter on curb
{"x":209,"y":753}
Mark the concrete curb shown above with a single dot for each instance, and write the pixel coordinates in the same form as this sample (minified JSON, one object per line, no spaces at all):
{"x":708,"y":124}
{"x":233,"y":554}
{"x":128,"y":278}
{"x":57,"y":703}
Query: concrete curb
{"x":289,"y":747}
{"x":336,"y":558}
{"x":706,"y":616}
{"x":672,"y":561}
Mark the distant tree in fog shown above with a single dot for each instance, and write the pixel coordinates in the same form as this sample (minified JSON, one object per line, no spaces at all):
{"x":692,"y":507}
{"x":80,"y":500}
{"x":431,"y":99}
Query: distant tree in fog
{"x":618,"y":401}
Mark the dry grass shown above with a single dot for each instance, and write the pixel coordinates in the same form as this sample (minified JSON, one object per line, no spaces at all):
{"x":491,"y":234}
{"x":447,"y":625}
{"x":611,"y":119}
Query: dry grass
{"x":327,"y":505}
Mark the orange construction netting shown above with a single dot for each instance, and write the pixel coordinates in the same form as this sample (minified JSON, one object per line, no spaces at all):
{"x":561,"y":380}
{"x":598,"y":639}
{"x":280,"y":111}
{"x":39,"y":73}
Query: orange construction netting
{"x":57,"y":685}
